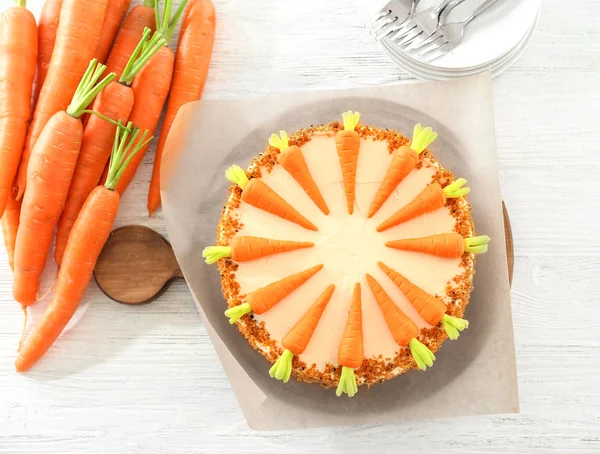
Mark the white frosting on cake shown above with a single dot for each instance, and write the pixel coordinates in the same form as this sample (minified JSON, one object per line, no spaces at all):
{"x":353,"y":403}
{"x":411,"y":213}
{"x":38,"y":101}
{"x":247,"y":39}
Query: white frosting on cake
{"x":347,"y":245}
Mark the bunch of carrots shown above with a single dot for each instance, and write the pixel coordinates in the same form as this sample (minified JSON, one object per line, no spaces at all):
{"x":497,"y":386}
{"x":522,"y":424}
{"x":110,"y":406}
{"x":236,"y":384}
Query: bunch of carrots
{"x":81,"y":95}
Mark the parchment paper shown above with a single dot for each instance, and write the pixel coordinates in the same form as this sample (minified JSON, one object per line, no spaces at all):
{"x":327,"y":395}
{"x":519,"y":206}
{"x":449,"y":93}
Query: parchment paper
{"x":475,"y":374}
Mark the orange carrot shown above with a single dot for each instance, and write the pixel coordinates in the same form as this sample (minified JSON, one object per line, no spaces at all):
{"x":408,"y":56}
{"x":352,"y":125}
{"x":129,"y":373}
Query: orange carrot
{"x":297,"y":339}
{"x":260,"y":195}
{"x":403,"y":162}
{"x":265,"y":298}
{"x":351,"y":352}
{"x":347,"y":142}
{"x":76,"y":40}
{"x":246,"y":248}
{"x":447,"y":245}
{"x":18,"y":56}
{"x":292,"y":160}
{"x":192,"y":61}
{"x":47,"y":28}
{"x":10,"y":225}
{"x":428,"y":200}
{"x":52,"y":164}
{"x":115,"y":12}
{"x":138,"y":19}
{"x":89,"y":234}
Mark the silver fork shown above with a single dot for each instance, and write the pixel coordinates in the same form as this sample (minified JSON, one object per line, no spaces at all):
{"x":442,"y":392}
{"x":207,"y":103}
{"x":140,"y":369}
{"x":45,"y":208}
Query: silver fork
{"x":447,"y":37}
{"x":391,"y":16}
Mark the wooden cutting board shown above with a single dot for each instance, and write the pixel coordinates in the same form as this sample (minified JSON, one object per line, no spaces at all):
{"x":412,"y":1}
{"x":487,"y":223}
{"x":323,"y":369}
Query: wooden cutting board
{"x":137,"y":264}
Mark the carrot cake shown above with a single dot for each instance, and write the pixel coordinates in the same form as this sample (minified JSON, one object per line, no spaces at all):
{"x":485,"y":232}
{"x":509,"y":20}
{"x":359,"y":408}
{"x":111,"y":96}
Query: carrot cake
{"x":346,"y":253}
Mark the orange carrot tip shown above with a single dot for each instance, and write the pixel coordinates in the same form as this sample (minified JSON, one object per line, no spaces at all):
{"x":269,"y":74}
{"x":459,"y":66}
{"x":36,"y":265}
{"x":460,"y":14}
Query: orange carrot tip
{"x":350,"y":120}
{"x":455,"y":189}
{"x":347,"y":383}
{"x":477,"y":244}
{"x":454,"y":325}
{"x":236,"y":175}
{"x":212,"y":254}
{"x":422,"y":137}
{"x":280,"y":141}
{"x":89,"y":88}
{"x":282,"y":369}
{"x":422,"y":355}
{"x":237,"y":312}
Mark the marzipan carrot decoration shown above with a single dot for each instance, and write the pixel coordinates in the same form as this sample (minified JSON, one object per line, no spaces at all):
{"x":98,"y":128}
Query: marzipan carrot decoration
{"x":116,"y":102}
{"x":18,"y":57}
{"x":351,"y":352}
{"x":246,"y":248}
{"x":89,"y":234}
{"x":432,"y":309}
{"x":260,"y":195}
{"x":347,"y":142}
{"x":138,"y":19}
{"x":76,"y":40}
{"x":48,"y":24}
{"x":297,"y":339}
{"x":403,"y":162}
{"x":50,"y":171}
{"x":447,"y":245}
{"x":115,"y":12}
{"x":151,"y":86}
{"x":192,"y":60}
{"x":292,"y":160}
{"x":405,"y":332}
{"x":430,"y":199}
{"x":265,"y":298}
{"x":10,"y":225}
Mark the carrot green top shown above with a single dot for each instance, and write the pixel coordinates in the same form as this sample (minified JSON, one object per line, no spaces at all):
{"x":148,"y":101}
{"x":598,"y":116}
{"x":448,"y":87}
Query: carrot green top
{"x":350,"y":120}
{"x":166,"y":24}
{"x":89,"y":88}
{"x":21,"y":3}
{"x":236,"y":175}
{"x":144,"y":51}
{"x":281,"y":141}
{"x":455,"y":189}
{"x":422,"y":137}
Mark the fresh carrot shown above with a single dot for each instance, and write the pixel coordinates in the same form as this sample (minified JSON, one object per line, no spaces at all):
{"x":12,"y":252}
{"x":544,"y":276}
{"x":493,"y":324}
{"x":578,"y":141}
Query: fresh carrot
{"x":447,"y":245}
{"x":351,"y":352}
{"x":292,"y":160}
{"x":89,"y":234}
{"x":431,"y":308}
{"x":18,"y":56}
{"x":76,"y":40}
{"x":430,"y":199}
{"x":347,"y":142}
{"x":10,"y":225}
{"x":246,"y":248}
{"x":403,"y":162}
{"x":47,"y":27}
{"x":265,"y":298}
{"x":151,"y":86}
{"x":404,"y":331}
{"x":115,"y":101}
{"x":192,"y":61}
{"x":297,"y":339}
{"x":115,"y":12}
{"x":138,"y":19}
{"x":52,"y":164}
{"x":260,"y":195}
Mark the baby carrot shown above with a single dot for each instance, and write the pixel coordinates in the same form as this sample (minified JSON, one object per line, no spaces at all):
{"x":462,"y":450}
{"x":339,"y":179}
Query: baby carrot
{"x":246,"y":248}
{"x":265,"y":298}
{"x":18,"y":54}
{"x":10,"y":225}
{"x":404,"y":331}
{"x":115,"y":12}
{"x":292,"y":160}
{"x":89,"y":234}
{"x":48,"y":24}
{"x":347,"y":142}
{"x":192,"y":61}
{"x":447,"y":245}
{"x":52,"y":164}
{"x":428,"y":200}
{"x":260,"y":195}
{"x":403,"y":162}
{"x":351,"y":351}
{"x":76,"y":40}
{"x":432,"y":309}
{"x":297,"y":339}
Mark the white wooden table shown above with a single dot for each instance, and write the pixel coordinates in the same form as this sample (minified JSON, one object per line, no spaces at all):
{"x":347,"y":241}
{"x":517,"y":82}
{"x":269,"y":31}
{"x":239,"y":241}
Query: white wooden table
{"x":146,"y":379}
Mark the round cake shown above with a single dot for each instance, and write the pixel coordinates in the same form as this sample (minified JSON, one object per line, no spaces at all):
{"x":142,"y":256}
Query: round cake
{"x":346,"y":253}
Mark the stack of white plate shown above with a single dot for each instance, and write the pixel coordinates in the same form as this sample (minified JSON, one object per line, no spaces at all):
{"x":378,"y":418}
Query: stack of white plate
{"x":493,"y":41}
